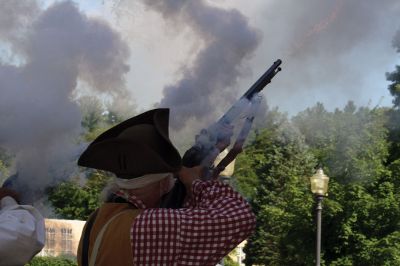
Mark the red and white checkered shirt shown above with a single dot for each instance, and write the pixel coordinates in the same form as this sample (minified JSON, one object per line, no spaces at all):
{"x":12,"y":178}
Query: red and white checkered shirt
{"x":215,"y":221}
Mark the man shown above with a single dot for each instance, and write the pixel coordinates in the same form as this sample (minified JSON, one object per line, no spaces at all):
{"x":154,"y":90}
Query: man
{"x":130,"y":229}
{"x":21,"y":230}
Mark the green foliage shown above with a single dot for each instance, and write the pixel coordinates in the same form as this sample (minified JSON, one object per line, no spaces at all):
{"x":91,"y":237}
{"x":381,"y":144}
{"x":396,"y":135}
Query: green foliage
{"x":229,"y":262}
{"x":352,"y":143}
{"x":361,"y":215}
{"x":393,"y":126}
{"x":96,"y":117}
{"x":361,"y":145}
{"x":365,"y":224}
{"x":245,"y":177}
{"x":92,"y":113}
{"x":280,"y":161}
{"x":5,"y":161}
{"x":355,"y":158}
{"x":73,"y":201}
{"x":317,"y":127}
{"x":3,"y":172}
{"x":52,"y":261}
{"x":394,"y":114}
{"x":394,"y":86}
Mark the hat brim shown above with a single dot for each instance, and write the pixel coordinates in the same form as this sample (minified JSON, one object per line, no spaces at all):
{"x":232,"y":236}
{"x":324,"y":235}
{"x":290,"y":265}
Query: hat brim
{"x":125,"y":158}
{"x":133,"y":158}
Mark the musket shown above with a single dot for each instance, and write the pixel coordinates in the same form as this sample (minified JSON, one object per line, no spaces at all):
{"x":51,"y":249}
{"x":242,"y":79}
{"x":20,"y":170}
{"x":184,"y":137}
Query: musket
{"x":210,"y":142}
{"x":205,"y":149}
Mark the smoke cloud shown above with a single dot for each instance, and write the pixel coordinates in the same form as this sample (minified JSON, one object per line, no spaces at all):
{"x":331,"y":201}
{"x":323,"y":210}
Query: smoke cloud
{"x":396,"y":41}
{"x":39,"y":120}
{"x":332,"y":51}
{"x":227,"y":41}
{"x":16,"y":15}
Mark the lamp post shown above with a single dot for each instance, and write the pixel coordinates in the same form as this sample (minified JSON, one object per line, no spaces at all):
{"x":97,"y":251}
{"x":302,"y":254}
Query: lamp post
{"x":319,"y":187}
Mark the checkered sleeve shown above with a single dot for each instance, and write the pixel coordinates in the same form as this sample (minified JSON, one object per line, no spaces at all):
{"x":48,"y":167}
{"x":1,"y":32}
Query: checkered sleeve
{"x":217,"y":220}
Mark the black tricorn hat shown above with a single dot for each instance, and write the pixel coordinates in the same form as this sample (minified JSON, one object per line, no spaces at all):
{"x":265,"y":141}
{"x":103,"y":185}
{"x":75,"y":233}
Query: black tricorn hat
{"x":135,"y":147}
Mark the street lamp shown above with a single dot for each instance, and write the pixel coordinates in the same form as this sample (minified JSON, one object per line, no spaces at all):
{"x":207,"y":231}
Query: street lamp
{"x":319,"y":187}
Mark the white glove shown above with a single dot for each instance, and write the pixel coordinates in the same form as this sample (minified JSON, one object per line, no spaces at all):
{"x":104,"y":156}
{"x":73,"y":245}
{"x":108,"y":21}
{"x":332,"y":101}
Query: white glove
{"x":22,"y":233}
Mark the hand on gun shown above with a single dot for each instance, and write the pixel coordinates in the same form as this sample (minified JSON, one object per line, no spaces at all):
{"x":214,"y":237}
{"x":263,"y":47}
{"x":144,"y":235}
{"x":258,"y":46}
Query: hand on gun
{"x":188,"y":175}
{"x":209,"y":143}
{"x":223,"y":133}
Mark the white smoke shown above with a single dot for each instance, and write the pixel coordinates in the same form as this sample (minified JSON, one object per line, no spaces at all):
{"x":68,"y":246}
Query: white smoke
{"x":225,"y":41}
{"x":332,"y":51}
{"x":14,"y":16}
{"x":396,"y":41}
{"x":39,"y":120}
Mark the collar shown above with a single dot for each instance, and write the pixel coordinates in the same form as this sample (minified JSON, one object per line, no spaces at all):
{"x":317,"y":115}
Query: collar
{"x":130,"y":198}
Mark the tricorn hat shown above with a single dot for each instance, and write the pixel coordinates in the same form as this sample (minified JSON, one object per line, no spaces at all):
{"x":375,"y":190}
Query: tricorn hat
{"x":135,"y":147}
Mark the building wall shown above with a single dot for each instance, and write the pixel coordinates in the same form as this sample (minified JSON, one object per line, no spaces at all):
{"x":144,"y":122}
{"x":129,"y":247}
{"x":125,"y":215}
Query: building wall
{"x":62,"y":237}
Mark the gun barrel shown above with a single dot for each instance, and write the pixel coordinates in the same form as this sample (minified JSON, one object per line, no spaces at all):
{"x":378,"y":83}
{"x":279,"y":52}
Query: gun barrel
{"x":239,"y":105}
{"x":263,"y":80}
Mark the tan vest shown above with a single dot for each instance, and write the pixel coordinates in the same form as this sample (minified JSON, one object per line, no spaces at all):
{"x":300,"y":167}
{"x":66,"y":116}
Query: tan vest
{"x":115,"y":248}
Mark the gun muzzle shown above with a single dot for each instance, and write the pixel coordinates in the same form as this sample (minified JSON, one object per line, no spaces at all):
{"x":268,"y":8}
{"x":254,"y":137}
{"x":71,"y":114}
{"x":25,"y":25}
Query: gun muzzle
{"x":263,"y":80}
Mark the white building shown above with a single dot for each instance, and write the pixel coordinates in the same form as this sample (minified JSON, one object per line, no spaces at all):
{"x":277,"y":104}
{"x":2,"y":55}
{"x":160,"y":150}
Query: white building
{"x":62,"y":237}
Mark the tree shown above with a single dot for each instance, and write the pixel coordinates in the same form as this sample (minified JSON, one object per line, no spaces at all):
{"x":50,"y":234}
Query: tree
{"x":394,"y":86}
{"x":3,"y":171}
{"x":98,"y":117}
{"x":365,"y":230}
{"x":394,"y":77}
{"x":5,"y":162}
{"x":361,"y":211}
{"x":361,"y":217}
{"x":73,"y":201}
{"x":92,"y":112}
{"x":245,"y":177}
{"x":394,"y":114}
{"x":280,"y":161}
{"x":350,"y":143}
{"x":317,"y":126}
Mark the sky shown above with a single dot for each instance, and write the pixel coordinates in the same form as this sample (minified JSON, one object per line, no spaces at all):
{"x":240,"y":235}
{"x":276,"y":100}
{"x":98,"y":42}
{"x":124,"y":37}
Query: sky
{"x":332,"y":51}
{"x":195,"y":57}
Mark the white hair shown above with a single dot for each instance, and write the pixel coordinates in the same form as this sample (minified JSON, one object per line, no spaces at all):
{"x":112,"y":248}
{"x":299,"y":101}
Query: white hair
{"x":116,"y":183}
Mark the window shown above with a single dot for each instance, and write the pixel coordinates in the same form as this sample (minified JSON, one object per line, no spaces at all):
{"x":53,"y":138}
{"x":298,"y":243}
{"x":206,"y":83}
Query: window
{"x":49,"y":248}
{"x":66,"y":241}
